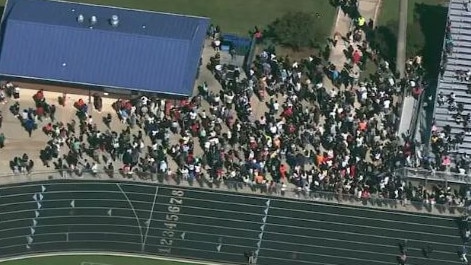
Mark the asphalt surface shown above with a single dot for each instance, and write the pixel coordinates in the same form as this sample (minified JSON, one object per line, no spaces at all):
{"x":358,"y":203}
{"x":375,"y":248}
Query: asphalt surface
{"x":213,"y":225}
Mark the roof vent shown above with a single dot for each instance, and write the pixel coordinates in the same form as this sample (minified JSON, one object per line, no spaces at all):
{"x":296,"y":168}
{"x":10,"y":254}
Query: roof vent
{"x":80,"y":18}
{"x":114,"y":21}
{"x":93,"y":20}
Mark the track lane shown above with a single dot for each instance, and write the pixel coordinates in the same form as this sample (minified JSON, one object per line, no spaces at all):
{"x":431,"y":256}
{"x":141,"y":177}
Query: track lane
{"x":215,"y":225}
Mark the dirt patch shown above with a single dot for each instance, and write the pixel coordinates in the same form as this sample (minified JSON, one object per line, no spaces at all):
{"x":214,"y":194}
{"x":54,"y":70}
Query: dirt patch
{"x":296,"y":55}
{"x":281,"y":51}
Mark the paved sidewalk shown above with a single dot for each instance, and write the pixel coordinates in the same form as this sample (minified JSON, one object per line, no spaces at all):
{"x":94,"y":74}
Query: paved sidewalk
{"x":369,"y":9}
{"x":17,"y":141}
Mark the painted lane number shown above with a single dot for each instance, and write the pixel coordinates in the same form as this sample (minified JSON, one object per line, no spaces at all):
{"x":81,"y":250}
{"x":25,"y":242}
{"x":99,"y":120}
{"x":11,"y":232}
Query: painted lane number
{"x":173,"y":210}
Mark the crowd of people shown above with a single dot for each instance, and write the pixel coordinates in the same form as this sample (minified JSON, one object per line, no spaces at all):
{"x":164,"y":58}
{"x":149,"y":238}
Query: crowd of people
{"x":320,"y":138}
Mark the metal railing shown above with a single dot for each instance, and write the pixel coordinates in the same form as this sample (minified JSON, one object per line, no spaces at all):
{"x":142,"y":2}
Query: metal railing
{"x":447,"y":177}
{"x":416,"y":111}
{"x":249,"y":57}
{"x":276,"y":190}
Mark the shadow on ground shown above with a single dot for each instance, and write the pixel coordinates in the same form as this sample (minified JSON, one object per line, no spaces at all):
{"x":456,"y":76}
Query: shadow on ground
{"x":432,"y":20}
{"x":384,"y":40}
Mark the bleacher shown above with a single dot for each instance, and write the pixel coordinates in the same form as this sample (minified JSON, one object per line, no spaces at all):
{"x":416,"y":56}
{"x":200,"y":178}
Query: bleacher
{"x":460,"y":59}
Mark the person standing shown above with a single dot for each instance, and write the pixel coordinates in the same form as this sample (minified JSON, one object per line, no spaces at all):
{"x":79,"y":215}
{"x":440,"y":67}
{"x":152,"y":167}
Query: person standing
{"x":402,"y":258}
{"x":216,"y":45}
{"x":52,"y":112}
{"x":29,"y":126}
{"x":427,"y":250}
{"x":2,"y":140}
{"x":463,"y":253}
{"x":29,"y":166}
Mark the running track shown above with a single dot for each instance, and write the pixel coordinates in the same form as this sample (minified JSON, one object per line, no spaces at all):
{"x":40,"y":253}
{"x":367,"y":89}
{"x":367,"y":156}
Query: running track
{"x":212,"y":225}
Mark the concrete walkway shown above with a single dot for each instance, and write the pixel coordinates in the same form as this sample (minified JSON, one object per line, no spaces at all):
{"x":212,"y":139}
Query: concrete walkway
{"x":402,"y":38}
{"x":369,"y":9}
{"x":408,"y":107}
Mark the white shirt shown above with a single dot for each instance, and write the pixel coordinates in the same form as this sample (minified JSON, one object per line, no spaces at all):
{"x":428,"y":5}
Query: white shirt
{"x":95,"y":168}
{"x":276,"y":106}
{"x":229,"y":98}
{"x":144,"y":100}
{"x":283,"y":187}
{"x":163,"y":166}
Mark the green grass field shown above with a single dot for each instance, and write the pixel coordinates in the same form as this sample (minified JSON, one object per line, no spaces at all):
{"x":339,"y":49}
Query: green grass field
{"x":238,"y":16}
{"x":426,"y":26}
{"x":93,"y":260}
{"x":390,"y":10}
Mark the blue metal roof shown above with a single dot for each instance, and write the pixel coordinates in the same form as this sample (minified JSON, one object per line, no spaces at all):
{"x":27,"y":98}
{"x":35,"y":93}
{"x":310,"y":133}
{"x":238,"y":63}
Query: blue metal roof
{"x":147,"y":51}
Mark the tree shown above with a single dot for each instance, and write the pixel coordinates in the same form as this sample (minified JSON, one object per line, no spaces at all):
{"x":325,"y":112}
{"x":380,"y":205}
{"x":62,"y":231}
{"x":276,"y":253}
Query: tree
{"x":384,"y":40}
{"x":297,"y":30}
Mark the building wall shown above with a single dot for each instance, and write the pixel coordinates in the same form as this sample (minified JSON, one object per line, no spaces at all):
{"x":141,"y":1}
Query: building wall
{"x":86,"y":91}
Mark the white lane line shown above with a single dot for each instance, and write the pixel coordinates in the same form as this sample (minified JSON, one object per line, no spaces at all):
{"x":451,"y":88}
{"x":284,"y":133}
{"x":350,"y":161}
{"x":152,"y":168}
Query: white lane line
{"x":393,"y":247}
{"x":282,"y":225}
{"x":133,"y":210}
{"x":364,"y":235}
{"x":296,"y":210}
{"x":360,"y":217}
{"x":230,"y":193}
{"x":262,"y":229}
{"x":149,"y":220}
{"x":114,"y":192}
{"x":404,"y":230}
{"x":303,"y":236}
{"x":253,"y":239}
{"x":275,"y":217}
{"x":276,"y":250}
{"x":126,"y":200}
{"x":109,"y":254}
{"x":123,"y":217}
{"x":233,"y":245}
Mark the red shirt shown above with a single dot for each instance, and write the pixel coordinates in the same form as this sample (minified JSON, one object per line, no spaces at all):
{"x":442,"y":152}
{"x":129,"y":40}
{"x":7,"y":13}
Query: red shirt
{"x":40,"y":111}
{"x":356,"y":57}
{"x":353,"y":171}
